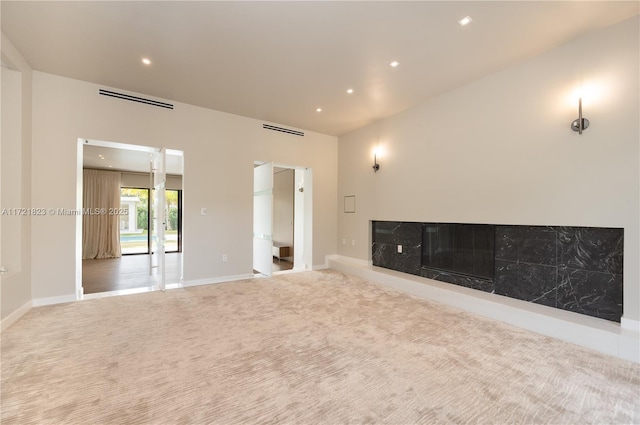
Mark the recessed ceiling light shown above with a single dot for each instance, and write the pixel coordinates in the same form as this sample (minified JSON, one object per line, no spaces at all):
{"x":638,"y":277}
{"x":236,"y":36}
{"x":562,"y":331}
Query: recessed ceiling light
{"x":146,"y":61}
{"x":465,"y":21}
{"x":318,"y":109}
{"x":394,"y":64}
{"x":349,"y":91}
{"x":110,"y":166}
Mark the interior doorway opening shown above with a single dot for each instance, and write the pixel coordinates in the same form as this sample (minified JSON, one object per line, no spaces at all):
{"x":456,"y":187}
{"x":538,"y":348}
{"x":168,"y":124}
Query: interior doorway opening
{"x":282,"y":218}
{"x":147,"y":204}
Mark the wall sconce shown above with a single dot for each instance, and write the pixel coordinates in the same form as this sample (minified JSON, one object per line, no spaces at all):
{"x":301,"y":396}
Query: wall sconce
{"x":581,"y":123}
{"x":376,"y":166}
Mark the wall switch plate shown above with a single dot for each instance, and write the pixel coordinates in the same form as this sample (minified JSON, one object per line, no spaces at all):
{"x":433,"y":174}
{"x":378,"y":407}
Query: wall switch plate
{"x":224,"y":258}
{"x":399,"y":249}
{"x":203,"y":211}
{"x":353,"y":242}
{"x":344,"y":241}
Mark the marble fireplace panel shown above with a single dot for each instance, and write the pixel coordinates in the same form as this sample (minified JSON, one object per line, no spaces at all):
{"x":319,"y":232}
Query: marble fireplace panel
{"x":387,"y":235}
{"x":572,"y":268}
{"x":589,"y":248}
{"x":577,"y":269}
{"x":528,"y":244}
{"x":592,"y":293}
{"x":526,"y":281}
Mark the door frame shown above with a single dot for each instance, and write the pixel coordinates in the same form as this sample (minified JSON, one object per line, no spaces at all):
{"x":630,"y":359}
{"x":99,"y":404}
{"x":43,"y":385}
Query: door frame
{"x":158,"y":172}
{"x":81,"y":142}
{"x":302,"y":216}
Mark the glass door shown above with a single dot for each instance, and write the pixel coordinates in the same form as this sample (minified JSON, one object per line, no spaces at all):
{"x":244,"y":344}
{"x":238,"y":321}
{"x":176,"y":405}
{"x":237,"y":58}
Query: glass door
{"x":157,"y":265}
{"x":134,"y":225}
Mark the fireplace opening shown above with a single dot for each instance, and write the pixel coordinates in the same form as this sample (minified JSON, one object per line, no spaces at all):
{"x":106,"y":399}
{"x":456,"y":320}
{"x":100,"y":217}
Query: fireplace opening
{"x":466,"y":249}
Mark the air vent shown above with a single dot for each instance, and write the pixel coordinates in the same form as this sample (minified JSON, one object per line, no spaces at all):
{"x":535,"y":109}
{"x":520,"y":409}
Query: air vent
{"x":135,"y":99}
{"x":284,"y":130}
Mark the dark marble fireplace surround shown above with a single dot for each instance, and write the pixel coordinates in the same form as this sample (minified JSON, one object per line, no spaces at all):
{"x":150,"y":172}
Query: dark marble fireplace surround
{"x":571,"y":268}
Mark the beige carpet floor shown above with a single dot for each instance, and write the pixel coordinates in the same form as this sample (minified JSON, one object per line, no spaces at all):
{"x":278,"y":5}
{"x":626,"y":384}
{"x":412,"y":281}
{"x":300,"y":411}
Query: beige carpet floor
{"x":307,"y":348}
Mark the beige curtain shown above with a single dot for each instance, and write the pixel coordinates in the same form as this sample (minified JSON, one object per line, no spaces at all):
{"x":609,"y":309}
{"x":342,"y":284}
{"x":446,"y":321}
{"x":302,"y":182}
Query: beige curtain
{"x":100,"y":221}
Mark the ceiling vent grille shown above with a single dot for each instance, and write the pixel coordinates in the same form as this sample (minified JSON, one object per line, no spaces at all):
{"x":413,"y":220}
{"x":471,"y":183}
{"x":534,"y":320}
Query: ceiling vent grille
{"x":284,"y":130}
{"x":135,"y":99}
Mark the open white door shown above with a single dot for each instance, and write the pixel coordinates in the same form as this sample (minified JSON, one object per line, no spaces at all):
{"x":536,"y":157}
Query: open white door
{"x":158,"y":171}
{"x":263,"y":218}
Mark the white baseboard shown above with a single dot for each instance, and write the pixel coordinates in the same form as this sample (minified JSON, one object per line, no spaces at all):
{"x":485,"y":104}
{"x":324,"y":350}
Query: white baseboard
{"x":351,"y":260}
{"x":39,"y":302}
{"x":630,"y":325}
{"x":213,"y":280}
{"x":15,"y":316}
{"x":343,"y":259}
{"x":598,"y":334}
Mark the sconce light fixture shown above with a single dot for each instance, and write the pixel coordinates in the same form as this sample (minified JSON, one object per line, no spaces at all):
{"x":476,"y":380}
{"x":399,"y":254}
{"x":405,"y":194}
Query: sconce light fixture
{"x":581,"y":123}
{"x":376,"y":166}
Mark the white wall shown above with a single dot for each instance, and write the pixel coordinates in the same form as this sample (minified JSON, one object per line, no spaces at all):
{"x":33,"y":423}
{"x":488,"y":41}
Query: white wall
{"x":15,"y":290}
{"x":11,"y":170}
{"x":500,"y":150}
{"x":219,"y":152}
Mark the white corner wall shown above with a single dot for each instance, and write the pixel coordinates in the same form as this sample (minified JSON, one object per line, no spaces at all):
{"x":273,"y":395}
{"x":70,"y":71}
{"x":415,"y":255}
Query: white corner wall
{"x":15,"y":151}
{"x":500,"y":150}
{"x":219,"y":152}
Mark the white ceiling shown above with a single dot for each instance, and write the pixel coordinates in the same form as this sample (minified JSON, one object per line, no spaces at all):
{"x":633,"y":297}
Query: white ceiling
{"x":279,"y":61}
{"x":125,"y":160}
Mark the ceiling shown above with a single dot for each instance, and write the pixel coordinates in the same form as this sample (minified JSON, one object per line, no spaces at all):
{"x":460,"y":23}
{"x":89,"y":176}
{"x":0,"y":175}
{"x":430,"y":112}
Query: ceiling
{"x":126,"y":160}
{"x":279,"y":61}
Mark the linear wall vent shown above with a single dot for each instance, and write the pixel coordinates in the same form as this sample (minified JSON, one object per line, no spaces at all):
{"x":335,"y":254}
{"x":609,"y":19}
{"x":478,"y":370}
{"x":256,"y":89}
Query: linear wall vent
{"x":284,"y":130}
{"x":135,"y":99}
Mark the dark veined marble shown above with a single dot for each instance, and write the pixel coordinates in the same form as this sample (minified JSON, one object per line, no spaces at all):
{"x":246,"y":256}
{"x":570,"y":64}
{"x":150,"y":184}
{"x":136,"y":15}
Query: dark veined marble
{"x":572,"y":268}
{"x":594,"y":249}
{"x":578,"y":269}
{"x":592,"y":293}
{"x":387,"y":235}
{"x":525,"y":281}
{"x":529,"y":244}
{"x":383,"y":231}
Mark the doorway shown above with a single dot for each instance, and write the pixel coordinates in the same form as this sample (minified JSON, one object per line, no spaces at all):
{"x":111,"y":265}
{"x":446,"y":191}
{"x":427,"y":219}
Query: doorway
{"x":282,"y":219}
{"x":148,"y":223}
